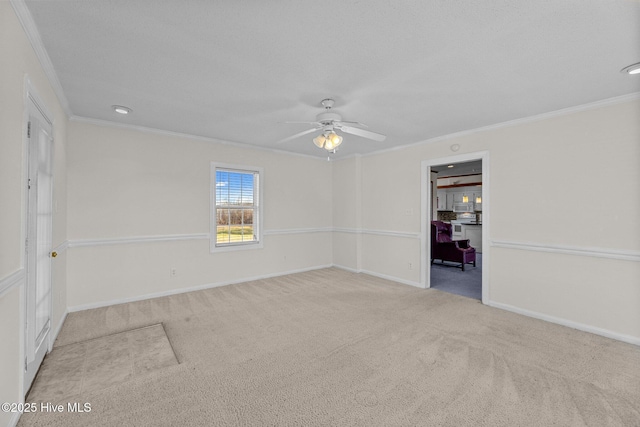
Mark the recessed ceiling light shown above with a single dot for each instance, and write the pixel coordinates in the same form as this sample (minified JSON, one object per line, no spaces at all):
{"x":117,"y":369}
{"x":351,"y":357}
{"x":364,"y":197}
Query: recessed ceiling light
{"x":450,"y":166}
{"x":632,"y":69}
{"x":120,"y":109}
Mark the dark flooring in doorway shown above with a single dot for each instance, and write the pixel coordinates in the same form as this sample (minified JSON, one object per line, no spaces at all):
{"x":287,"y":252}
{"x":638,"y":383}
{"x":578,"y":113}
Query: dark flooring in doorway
{"x":452,"y":279}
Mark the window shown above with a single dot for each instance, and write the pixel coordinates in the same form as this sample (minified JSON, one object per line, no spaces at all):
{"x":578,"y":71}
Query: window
{"x":236,"y":209}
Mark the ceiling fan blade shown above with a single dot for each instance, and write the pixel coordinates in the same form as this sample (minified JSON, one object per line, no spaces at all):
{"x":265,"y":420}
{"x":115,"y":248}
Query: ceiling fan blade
{"x":297,"y":135}
{"x":355,"y":123}
{"x":363,"y":133}
{"x":306,"y":123}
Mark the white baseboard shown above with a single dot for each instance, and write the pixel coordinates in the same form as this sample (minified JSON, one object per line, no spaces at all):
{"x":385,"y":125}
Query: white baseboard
{"x":393,"y":279}
{"x":349,"y":269}
{"x":58,"y":329}
{"x":380,"y":275}
{"x":13,"y":422}
{"x":569,"y":323}
{"x":189,"y":289}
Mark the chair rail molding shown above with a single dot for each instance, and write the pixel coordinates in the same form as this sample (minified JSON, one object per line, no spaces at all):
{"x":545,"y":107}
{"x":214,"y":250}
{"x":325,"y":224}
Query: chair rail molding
{"x":404,"y":234}
{"x":136,"y":239}
{"x":11,"y":281}
{"x":77,"y":243}
{"x":619,"y":254}
{"x":274,"y":232}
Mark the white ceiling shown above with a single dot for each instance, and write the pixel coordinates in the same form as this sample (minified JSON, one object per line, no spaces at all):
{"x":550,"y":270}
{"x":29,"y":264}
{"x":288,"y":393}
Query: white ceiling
{"x":413,"y":70}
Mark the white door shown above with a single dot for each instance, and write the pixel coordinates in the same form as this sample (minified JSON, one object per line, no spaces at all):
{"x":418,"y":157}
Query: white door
{"x":38,"y":241}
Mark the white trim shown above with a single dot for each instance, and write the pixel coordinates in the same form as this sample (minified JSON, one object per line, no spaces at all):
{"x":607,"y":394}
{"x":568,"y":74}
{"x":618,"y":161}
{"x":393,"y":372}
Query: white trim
{"x":524,"y":120}
{"x":297,"y":231}
{"x":202,"y":236}
{"x":138,"y":239}
{"x":56,"y":331}
{"x":161,"y":132}
{"x":404,"y":234}
{"x":32,"y":95}
{"x":191,"y":289}
{"x":33,"y":35}
{"x":347,"y":230}
{"x":11,"y":281}
{"x":425,"y":206}
{"x":624,"y":255}
{"x":393,"y":278}
{"x":569,"y":323}
{"x":62,"y":247}
{"x":13,"y":422}
{"x":380,"y":275}
{"x":344,"y":267}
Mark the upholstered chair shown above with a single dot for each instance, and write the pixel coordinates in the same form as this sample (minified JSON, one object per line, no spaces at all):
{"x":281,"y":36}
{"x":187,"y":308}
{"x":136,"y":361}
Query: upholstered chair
{"x":444,"y":248}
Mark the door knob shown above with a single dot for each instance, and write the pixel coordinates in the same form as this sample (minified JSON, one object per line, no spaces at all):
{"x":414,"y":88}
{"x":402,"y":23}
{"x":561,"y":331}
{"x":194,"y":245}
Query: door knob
{"x":54,"y":254}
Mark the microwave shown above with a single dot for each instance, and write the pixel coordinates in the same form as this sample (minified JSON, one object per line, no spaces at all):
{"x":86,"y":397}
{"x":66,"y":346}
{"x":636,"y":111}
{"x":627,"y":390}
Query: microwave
{"x":463,"y":207}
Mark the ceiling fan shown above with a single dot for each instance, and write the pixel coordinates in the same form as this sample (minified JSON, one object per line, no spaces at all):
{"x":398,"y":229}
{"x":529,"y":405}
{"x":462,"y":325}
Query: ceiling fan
{"x":327,"y":123}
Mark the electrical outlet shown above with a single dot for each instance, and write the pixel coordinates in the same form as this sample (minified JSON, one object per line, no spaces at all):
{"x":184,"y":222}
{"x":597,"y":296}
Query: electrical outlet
{"x":410,"y":266}
{"x":173,"y":272}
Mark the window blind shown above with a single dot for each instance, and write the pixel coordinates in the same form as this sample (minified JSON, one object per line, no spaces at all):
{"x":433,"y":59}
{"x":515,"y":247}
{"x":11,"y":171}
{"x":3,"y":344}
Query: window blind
{"x":236,"y":205}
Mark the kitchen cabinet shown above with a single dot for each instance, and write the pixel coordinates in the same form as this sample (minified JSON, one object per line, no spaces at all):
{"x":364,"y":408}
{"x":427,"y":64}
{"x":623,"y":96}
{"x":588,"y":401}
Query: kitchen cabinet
{"x":450,"y":201}
{"x":475,"y":195}
{"x":442,"y":200}
{"x":473,"y":232}
{"x":448,"y":196}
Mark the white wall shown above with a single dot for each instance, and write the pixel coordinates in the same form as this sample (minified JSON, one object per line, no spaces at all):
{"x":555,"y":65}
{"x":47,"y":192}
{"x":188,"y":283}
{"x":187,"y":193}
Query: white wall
{"x":126,"y":183}
{"x":18,"y":61}
{"x":347,"y":222}
{"x":580,"y":171}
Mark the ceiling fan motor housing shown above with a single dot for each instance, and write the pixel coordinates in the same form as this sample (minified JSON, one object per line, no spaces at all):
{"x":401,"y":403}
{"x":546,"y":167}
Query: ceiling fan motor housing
{"x":328,"y":117}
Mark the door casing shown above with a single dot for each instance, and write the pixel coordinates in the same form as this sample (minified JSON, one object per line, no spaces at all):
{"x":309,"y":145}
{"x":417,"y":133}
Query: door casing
{"x":426,"y":207}
{"x":37,"y":232}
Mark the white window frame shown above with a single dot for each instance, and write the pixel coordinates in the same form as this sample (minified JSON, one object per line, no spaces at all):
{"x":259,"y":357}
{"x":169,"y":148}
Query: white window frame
{"x":257,"y":223}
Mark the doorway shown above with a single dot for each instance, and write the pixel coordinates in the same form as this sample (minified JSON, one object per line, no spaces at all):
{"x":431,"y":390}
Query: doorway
{"x":38,"y":235}
{"x":464,"y":182}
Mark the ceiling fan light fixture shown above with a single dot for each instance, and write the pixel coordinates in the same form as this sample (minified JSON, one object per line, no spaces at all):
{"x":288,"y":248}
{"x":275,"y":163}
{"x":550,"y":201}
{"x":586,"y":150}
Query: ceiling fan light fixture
{"x":329,"y":141}
{"x":335,"y":139}
{"x":327,"y":122}
{"x":319,"y":141}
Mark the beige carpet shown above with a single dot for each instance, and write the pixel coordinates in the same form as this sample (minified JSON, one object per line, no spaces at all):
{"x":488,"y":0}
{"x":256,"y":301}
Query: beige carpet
{"x":73,"y":370}
{"x":332,"y":348}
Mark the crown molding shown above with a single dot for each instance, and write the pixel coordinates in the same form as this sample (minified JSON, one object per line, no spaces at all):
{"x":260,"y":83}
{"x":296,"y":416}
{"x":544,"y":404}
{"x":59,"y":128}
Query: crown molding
{"x":33,"y":35}
{"x":524,"y":120}
{"x":144,"y":129}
